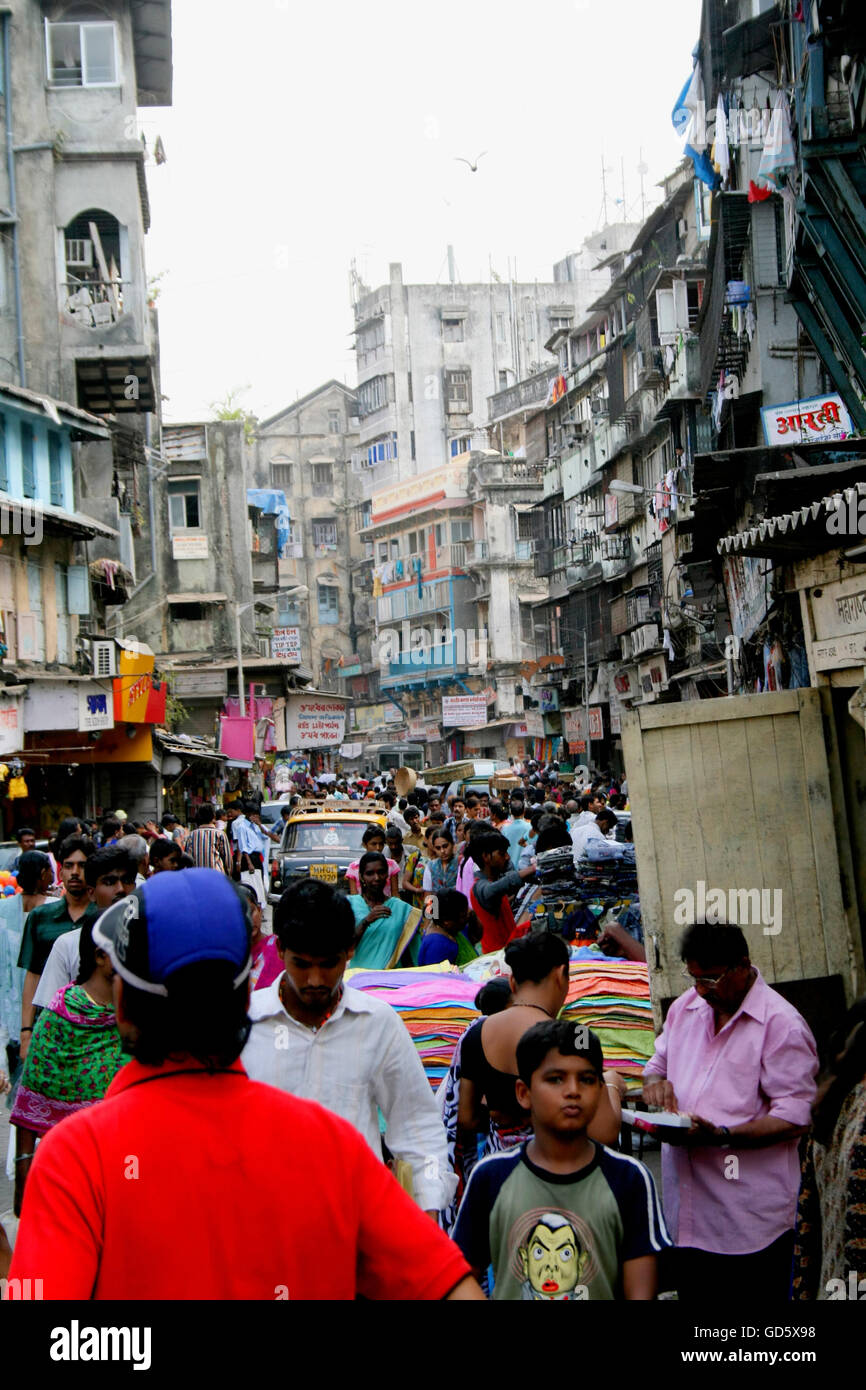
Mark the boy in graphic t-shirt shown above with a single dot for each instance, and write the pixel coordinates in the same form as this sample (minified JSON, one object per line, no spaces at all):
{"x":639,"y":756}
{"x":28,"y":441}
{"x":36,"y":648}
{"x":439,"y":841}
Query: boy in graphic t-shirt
{"x":562,"y":1217}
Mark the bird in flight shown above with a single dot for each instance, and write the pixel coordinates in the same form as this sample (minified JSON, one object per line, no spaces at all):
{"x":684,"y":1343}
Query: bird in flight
{"x":473,"y":168}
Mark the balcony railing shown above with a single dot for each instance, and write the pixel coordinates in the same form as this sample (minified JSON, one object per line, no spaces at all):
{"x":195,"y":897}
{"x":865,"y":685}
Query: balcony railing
{"x":532,"y":391}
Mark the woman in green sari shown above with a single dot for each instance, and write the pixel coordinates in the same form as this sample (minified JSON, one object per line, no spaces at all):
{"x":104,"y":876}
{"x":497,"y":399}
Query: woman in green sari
{"x":386,"y":926}
{"x":74,"y":1055}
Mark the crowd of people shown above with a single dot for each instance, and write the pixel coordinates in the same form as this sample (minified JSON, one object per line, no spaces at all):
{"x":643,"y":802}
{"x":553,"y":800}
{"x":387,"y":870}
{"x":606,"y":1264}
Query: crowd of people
{"x":145,"y":959}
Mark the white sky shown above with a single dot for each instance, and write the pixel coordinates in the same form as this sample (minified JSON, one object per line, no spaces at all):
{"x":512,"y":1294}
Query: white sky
{"x":304,"y":134}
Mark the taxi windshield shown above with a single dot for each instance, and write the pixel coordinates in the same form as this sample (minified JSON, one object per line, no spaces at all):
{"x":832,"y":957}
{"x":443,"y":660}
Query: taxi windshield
{"x":326,"y":837}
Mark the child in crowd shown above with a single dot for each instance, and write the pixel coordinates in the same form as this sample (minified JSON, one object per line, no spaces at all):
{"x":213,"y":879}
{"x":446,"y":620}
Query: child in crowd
{"x":562,"y":1218}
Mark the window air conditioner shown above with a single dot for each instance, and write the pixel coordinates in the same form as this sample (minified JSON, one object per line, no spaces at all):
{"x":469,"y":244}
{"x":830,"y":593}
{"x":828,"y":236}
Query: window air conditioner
{"x":103,"y":656}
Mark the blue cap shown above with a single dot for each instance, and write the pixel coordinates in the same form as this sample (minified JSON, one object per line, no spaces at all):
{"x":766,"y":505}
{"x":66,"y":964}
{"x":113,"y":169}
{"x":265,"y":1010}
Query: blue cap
{"x":172,"y":921}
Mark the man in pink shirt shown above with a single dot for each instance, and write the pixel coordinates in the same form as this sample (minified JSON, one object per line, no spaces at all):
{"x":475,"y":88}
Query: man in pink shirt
{"x":740,"y":1060}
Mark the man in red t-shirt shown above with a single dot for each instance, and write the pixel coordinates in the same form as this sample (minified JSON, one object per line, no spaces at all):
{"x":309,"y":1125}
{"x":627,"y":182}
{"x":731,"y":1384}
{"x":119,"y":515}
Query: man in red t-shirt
{"x":159,"y":1191}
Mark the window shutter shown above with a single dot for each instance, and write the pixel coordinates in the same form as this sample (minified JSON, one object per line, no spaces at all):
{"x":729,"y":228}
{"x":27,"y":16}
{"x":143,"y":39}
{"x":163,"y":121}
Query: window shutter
{"x":78,"y":589}
{"x":681,"y":304}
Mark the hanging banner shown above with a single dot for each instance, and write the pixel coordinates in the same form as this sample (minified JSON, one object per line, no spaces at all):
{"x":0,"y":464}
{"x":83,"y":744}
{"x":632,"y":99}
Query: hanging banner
{"x":464,"y":709}
{"x":314,"y":721}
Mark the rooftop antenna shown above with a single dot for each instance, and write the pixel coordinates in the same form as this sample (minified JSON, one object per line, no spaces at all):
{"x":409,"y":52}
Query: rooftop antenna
{"x":643,"y":170}
{"x":622,"y":180}
{"x":604,"y":173}
{"x":452,"y":269}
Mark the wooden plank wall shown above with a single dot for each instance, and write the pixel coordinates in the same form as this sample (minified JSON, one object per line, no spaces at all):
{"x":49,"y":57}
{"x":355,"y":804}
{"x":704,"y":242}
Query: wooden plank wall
{"x":736,"y":792}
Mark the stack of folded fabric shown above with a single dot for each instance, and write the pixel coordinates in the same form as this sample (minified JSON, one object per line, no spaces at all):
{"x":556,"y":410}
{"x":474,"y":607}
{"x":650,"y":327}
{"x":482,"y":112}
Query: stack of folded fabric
{"x":436,"y":1003}
{"x":612,"y":997}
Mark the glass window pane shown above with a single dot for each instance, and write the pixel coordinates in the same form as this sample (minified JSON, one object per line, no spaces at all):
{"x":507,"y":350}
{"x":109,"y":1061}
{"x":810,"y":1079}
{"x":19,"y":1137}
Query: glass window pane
{"x":99,"y":65}
{"x":64,"y":57}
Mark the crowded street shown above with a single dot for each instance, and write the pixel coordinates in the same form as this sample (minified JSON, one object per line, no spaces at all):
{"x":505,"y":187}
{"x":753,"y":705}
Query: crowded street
{"x":432,"y":861}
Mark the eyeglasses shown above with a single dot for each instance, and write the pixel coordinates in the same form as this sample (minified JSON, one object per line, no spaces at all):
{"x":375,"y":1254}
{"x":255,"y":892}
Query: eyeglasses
{"x":710,"y":980}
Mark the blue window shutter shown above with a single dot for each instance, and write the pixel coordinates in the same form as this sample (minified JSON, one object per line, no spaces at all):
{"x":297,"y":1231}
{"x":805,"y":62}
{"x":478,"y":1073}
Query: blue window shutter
{"x":55,"y":469}
{"x":28,"y":462}
{"x":4,"y":471}
{"x":78,"y":589}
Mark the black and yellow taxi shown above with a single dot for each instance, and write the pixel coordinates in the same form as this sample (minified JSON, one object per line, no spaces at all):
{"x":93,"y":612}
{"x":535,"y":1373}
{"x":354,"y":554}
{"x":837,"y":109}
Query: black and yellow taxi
{"x":320,"y":840}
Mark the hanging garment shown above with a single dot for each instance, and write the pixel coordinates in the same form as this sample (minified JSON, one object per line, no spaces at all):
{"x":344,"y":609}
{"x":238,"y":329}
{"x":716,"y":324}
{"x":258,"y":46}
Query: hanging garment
{"x":798,"y":666}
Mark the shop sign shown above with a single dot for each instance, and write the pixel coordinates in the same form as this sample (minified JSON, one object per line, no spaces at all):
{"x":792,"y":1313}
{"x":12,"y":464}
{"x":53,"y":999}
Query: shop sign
{"x":314,"y":722}
{"x":417,"y":728}
{"x":139,"y":700}
{"x":573,"y":727}
{"x":286,"y":645}
{"x":189,"y":548}
{"x":530,"y":726}
{"x":549,"y":699}
{"x":11,"y":725}
{"x":839,"y":624}
{"x":805,"y":422}
{"x":432,"y":733}
{"x":464,"y":709}
{"x":393,"y":715}
{"x":95,"y":709}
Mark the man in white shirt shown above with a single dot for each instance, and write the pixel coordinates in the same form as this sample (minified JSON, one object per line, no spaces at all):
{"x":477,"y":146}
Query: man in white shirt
{"x":325,"y":1041}
{"x":587,"y":838}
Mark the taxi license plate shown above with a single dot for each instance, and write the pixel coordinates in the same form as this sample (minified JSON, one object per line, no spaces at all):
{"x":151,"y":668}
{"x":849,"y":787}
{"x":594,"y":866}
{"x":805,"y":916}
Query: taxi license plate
{"x":326,"y":871}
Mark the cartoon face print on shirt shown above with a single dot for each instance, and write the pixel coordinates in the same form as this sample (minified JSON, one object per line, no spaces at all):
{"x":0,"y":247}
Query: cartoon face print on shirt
{"x":554,"y":1256}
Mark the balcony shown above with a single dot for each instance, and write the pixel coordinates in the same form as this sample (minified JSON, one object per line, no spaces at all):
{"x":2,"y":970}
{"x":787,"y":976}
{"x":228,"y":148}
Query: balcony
{"x":532,"y":391}
{"x":453,"y":557}
{"x":505,"y":472}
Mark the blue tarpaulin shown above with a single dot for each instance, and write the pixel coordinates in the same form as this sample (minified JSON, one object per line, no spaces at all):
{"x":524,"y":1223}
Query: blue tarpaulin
{"x":274,"y":503}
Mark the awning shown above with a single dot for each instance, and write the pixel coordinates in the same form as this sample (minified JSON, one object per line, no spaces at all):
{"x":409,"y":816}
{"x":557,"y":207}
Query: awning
{"x":196,"y":598}
{"x":782,"y":531}
{"x":76,"y":522}
{"x":328,"y":581}
{"x":531,"y":598}
{"x":185,"y":746}
{"x":58,"y":412}
{"x":237,"y":762}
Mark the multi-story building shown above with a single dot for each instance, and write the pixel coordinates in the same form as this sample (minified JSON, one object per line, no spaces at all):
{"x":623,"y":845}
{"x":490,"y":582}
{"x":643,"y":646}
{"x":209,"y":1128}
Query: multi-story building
{"x":79,"y":354}
{"x":429,"y":358}
{"x":306,"y":452}
{"x":661,"y":431}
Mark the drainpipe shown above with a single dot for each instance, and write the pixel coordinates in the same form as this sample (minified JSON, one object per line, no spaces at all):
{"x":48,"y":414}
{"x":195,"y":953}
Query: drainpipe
{"x":13,"y":201}
{"x":148,"y":437}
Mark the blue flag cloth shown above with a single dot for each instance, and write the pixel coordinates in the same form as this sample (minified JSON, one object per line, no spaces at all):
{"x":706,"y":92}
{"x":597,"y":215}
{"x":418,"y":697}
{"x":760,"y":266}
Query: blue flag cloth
{"x":273,"y":502}
{"x":689,"y":121}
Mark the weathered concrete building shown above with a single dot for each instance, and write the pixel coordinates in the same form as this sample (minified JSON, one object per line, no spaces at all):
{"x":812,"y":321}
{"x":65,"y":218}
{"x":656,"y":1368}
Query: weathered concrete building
{"x":309,"y":452}
{"x":79,"y":350}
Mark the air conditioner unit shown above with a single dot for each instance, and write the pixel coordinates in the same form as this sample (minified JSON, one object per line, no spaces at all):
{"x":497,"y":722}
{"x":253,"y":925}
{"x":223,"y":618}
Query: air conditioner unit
{"x":596,"y":405}
{"x":79,"y":253}
{"x":103,"y":656}
{"x":264,"y":646}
